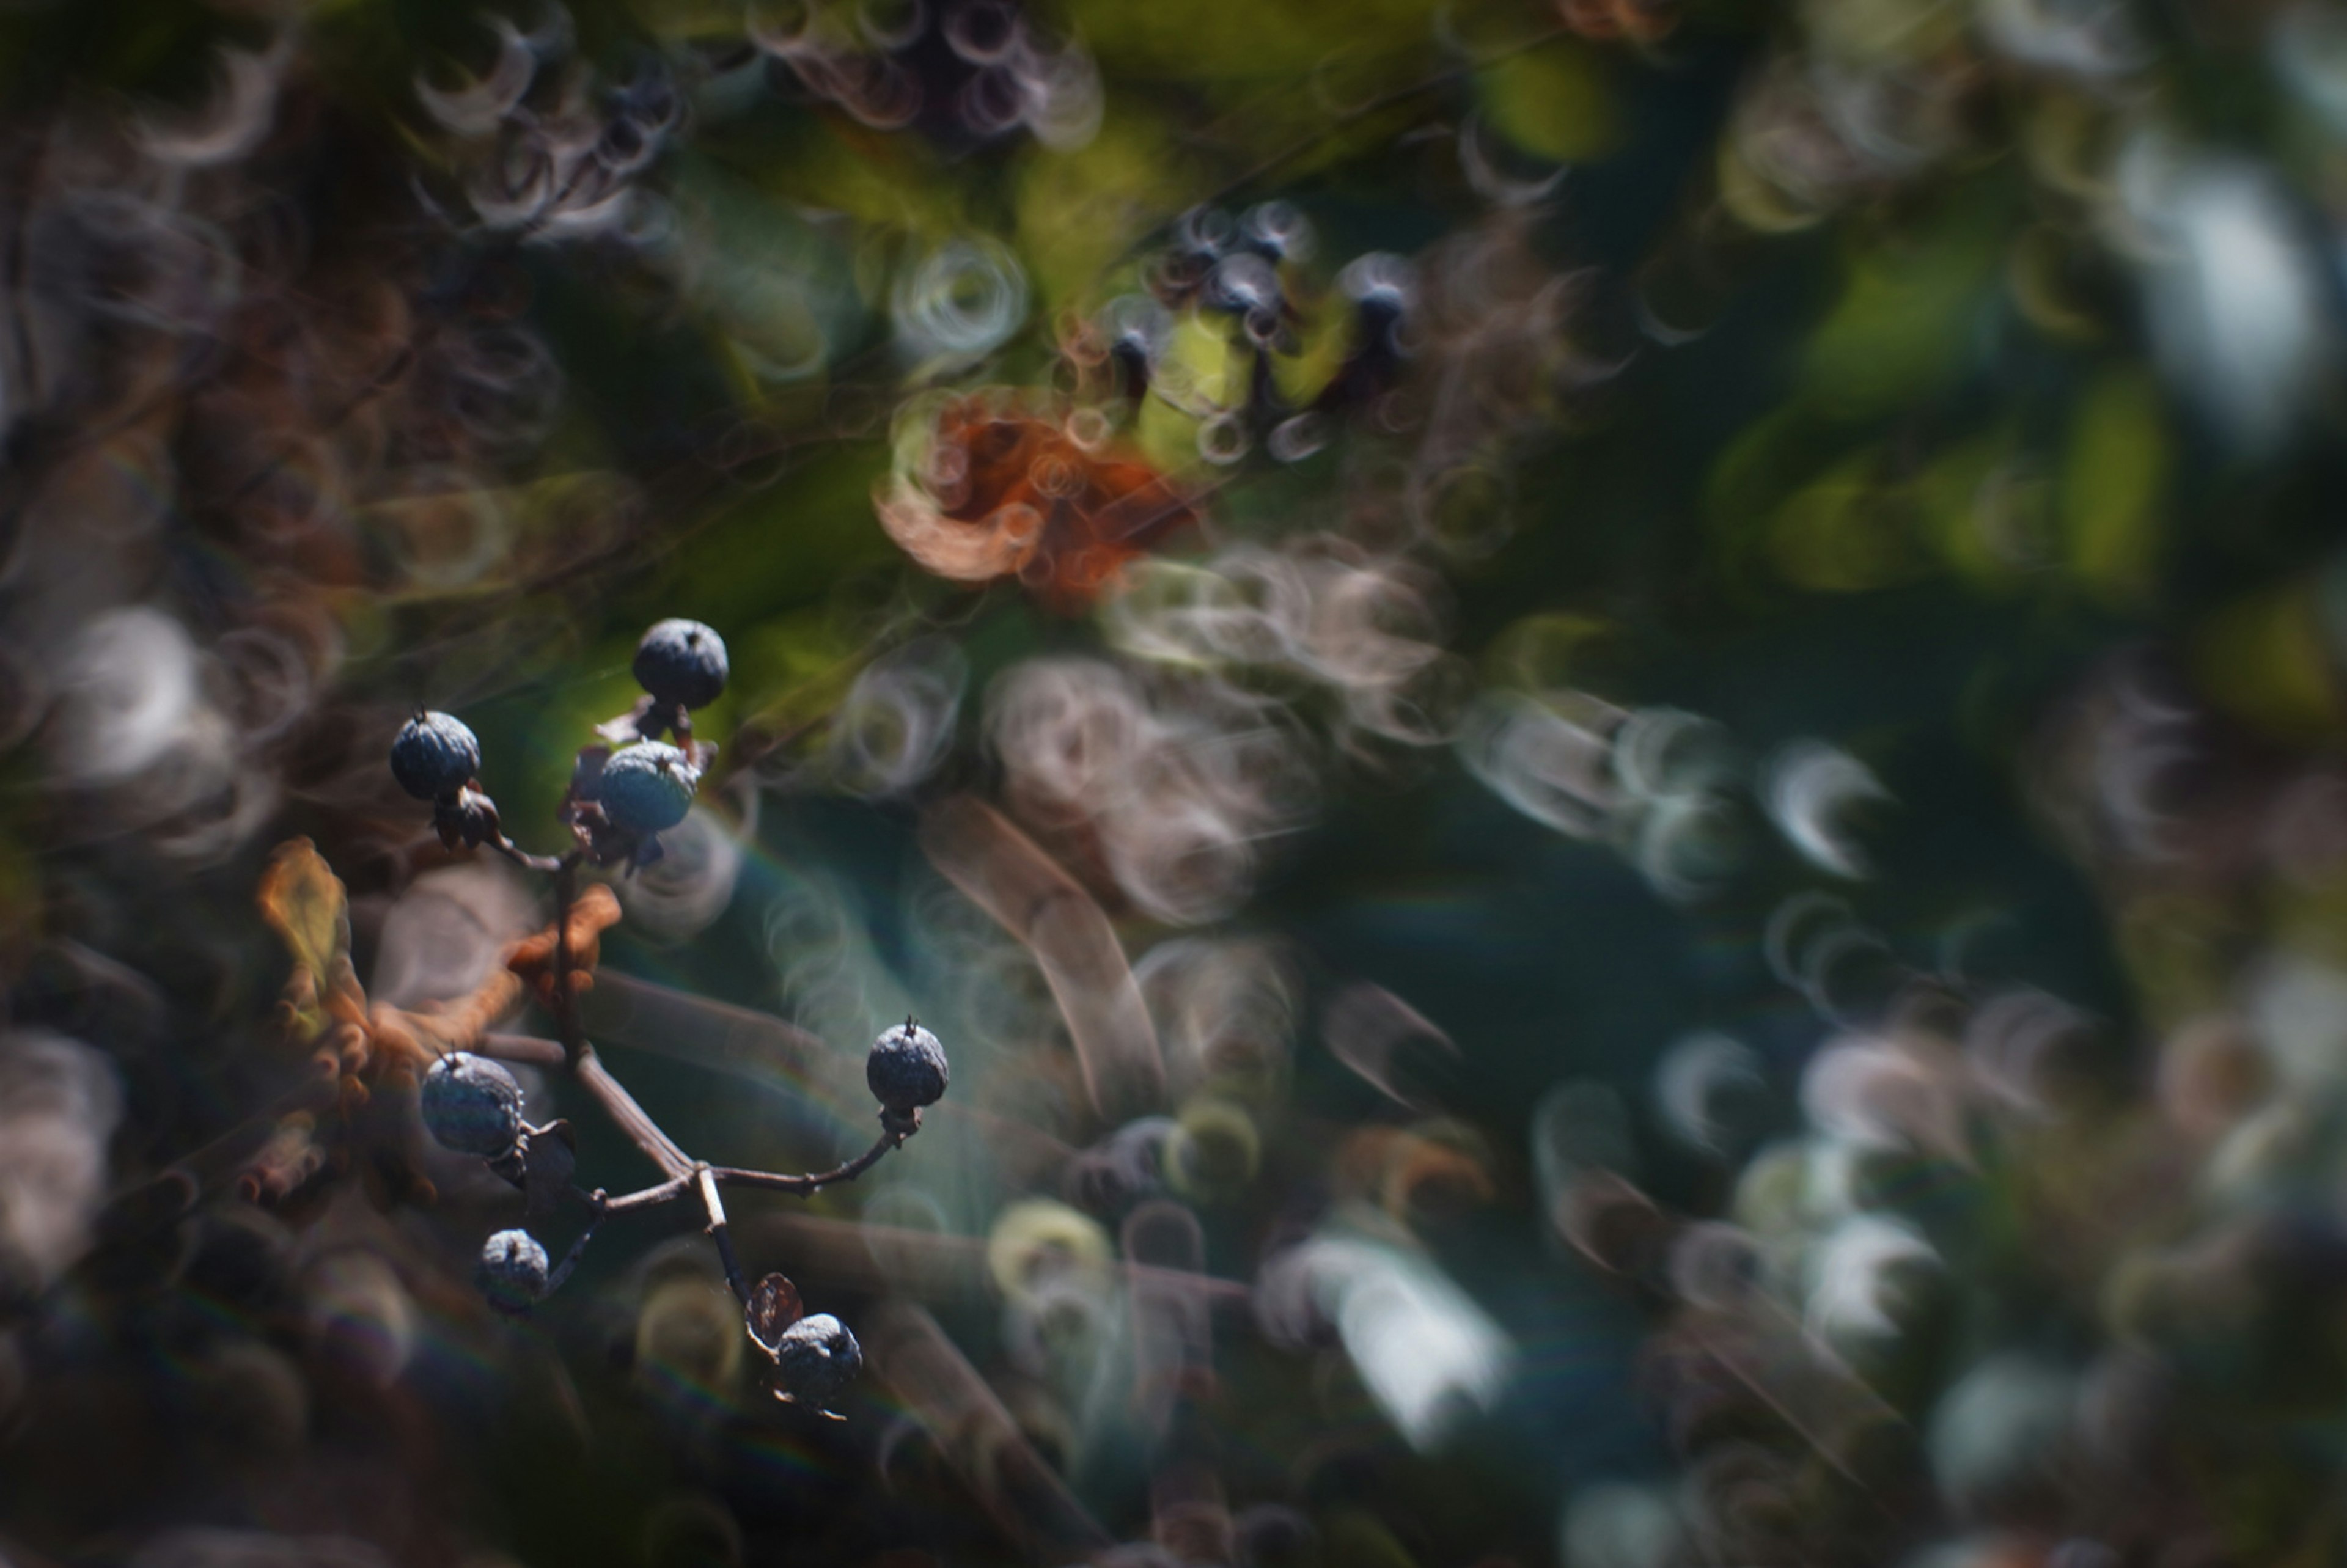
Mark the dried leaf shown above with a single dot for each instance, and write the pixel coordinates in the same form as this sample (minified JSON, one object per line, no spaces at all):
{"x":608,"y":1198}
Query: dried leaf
{"x":774,"y":1306}
{"x":302,"y":897}
{"x":1029,"y":500}
{"x":595,"y":911}
{"x":391,"y":1037}
{"x":291,"y":1157}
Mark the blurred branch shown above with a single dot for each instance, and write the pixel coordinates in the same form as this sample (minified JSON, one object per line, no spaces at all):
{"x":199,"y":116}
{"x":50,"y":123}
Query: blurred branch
{"x":523,"y":1048}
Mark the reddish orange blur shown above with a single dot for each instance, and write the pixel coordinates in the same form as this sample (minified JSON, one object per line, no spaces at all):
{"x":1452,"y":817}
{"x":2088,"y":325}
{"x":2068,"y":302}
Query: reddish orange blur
{"x":1008,"y":490}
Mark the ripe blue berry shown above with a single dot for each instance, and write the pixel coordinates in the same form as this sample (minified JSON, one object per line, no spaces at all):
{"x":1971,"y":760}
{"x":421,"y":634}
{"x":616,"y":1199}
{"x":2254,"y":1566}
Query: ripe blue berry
{"x":906,"y":1069}
{"x":682,"y":663}
{"x":432,"y":755}
{"x":817,"y":1356}
{"x":647,"y":787}
{"x":513,"y":1269}
{"x":472,"y":1104}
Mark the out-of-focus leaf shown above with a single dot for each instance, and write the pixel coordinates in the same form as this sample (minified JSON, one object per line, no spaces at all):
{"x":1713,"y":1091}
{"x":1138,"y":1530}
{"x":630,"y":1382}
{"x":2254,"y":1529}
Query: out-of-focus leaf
{"x":1539,"y":652}
{"x":2263,"y":659}
{"x":689,"y":21}
{"x":1552,"y":101}
{"x":1356,"y":1537}
{"x":1904,"y":316}
{"x":2174,"y":946}
{"x":2310,"y":916}
{"x":779,"y":284}
{"x":2036,"y":272}
{"x":1202,"y":373}
{"x":1276,"y":41}
{"x":1886,"y":30}
{"x":1844,"y":531}
{"x":1328,"y":335}
{"x":1079,"y":212}
{"x":2114,"y":476}
{"x":1988,"y":514}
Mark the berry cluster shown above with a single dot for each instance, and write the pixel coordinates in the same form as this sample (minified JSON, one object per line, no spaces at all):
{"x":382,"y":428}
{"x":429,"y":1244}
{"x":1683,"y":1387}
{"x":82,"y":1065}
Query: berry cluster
{"x":1247,"y":279}
{"x":620,"y":800}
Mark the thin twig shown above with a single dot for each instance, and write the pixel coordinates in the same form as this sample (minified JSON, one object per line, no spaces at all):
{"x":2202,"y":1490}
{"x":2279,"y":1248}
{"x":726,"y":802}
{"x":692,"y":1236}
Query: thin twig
{"x":565,"y":1004}
{"x":563,"y":1270}
{"x":805,"y":1185}
{"x":633,"y":1119}
{"x":649,"y":1198}
{"x":715,"y":1206}
{"x":520,"y":856}
{"x":766,"y":1181}
{"x":682,"y":1171}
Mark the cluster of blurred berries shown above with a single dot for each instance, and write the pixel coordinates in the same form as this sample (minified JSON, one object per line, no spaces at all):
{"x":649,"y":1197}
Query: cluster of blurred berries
{"x":1249,"y":274}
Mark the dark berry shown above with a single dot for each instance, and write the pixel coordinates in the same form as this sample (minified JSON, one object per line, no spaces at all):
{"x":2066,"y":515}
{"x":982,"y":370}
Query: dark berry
{"x":647,"y":787}
{"x":1243,"y":284}
{"x":681,"y":661}
{"x":1381,"y":286}
{"x":472,"y":1104}
{"x":906,"y":1069}
{"x":513,"y":1269}
{"x":434,"y":755}
{"x":1277,"y":231}
{"x":817,"y":1358}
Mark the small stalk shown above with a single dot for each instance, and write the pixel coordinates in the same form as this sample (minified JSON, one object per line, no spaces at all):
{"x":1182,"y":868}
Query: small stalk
{"x":715,"y":1206}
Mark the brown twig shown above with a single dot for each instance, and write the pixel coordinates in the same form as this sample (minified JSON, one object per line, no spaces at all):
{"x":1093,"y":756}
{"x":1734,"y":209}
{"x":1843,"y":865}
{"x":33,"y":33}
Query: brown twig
{"x":766,"y":1181}
{"x":647,"y":1198}
{"x":715,"y":1207}
{"x":520,"y":856}
{"x":681,"y":1172}
{"x":633,"y":1119}
{"x":565,"y":1003}
{"x":522,"y":1048}
{"x":807,"y":1185}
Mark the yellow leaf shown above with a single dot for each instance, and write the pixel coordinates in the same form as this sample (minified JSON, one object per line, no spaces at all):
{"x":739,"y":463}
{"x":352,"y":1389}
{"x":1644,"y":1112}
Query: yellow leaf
{"x":1082,"y":210}
{"x":2263,"y":659}
{"x":303,"y":899}
{"x":1329,"y":334}
{"x":1542,"y":654}
{"x":1844,"y":532}
{"x":1987,"y":513}
{"x":1552,"y":101}
{"x":1905,"y":319}
{"x":2112,"y":480}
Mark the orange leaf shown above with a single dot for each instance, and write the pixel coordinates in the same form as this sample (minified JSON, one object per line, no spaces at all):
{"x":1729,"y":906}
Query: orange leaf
{"x":592,"y":913}
{"x":1006,"y":490}
{"x":302,"y":899}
